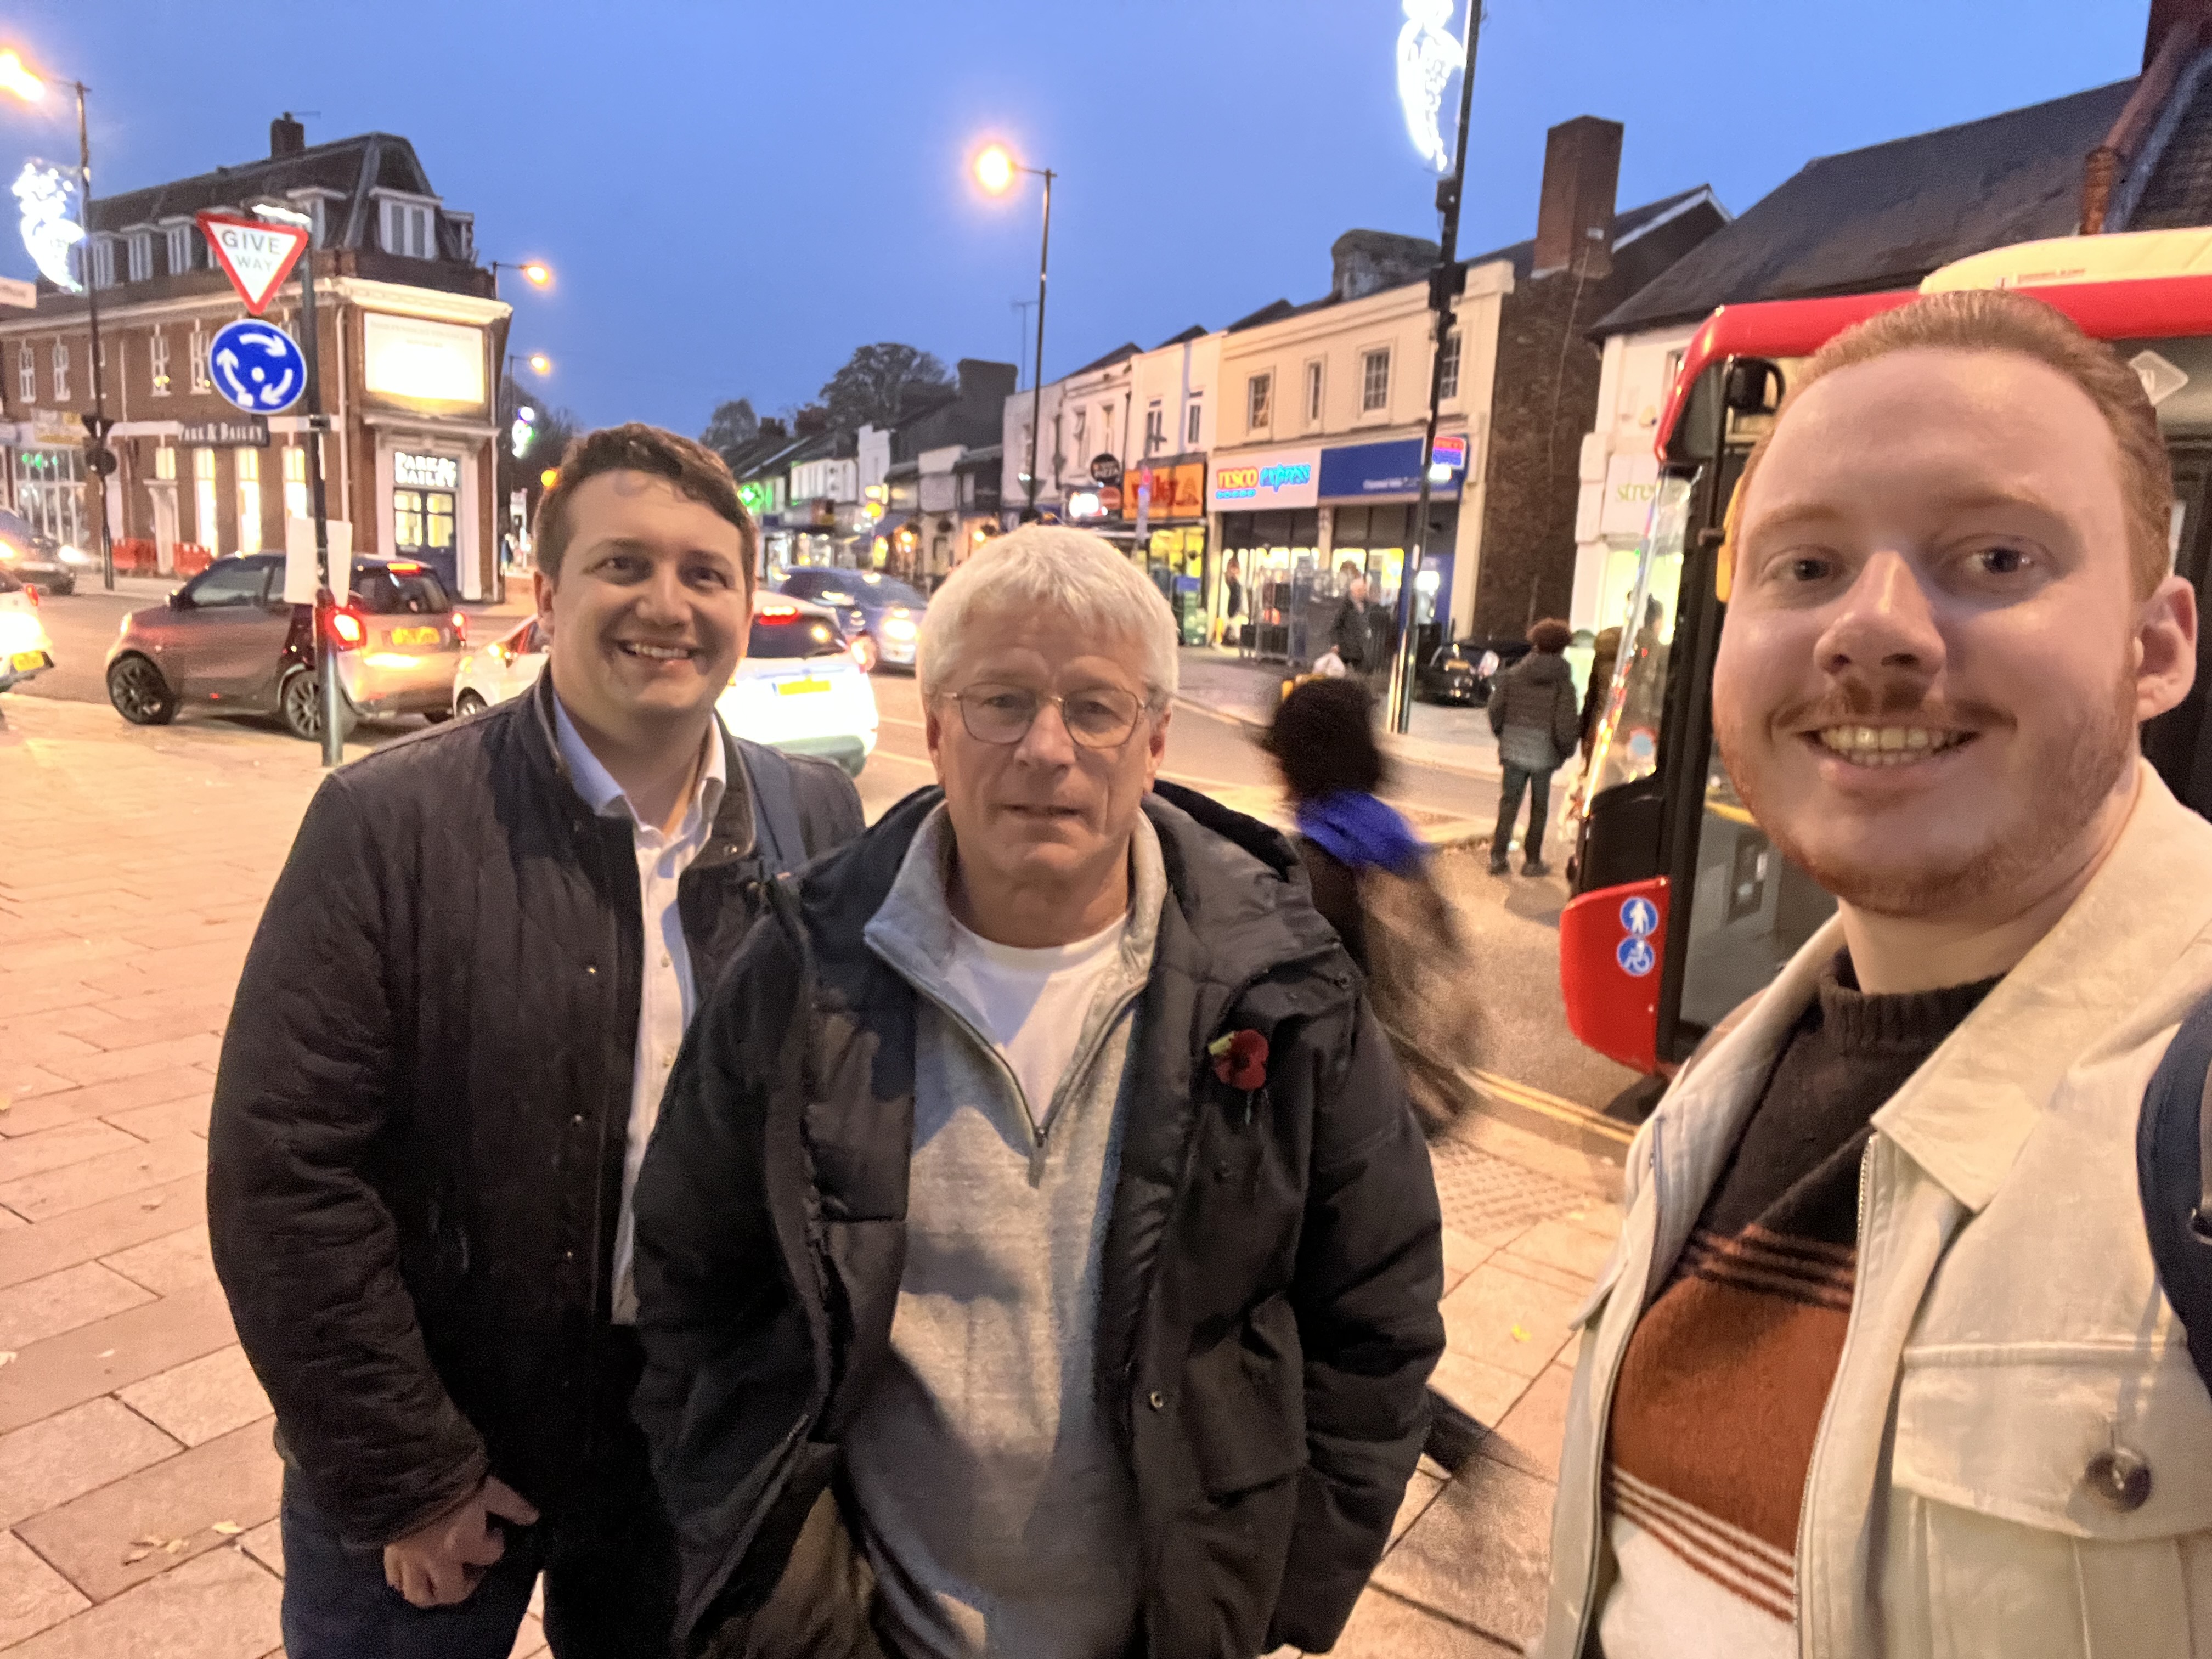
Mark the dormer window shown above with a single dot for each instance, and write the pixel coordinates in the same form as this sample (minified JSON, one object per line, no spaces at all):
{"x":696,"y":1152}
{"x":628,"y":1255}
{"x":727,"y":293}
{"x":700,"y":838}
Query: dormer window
{"x":408,"y":228}
{"x":315,"y":203}
{"x":177,"y":233}
{"x":103,"y":260}
{"x":140,"y":245}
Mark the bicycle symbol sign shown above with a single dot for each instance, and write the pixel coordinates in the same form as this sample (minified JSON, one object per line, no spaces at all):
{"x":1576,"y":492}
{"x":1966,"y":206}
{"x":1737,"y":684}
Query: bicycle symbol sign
{"x":1639,"y":917}
{"x":1636,"y":957}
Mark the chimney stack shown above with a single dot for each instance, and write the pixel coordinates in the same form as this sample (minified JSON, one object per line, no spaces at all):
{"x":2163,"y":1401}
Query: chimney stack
{"x":286,"y":136}
{"x":1574,"y":218}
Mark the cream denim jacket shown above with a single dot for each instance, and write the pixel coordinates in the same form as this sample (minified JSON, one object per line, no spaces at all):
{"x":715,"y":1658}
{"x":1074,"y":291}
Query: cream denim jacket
{"x":2006,"y":1327}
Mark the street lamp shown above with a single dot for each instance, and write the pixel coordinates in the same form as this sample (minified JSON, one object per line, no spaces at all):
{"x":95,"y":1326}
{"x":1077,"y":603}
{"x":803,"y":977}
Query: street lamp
{"x":98,"y":459}
{"x":996,"y":171}
{"x":536,"y":272}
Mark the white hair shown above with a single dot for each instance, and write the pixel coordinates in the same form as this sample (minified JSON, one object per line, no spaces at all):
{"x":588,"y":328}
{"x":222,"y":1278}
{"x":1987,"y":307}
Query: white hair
{"x":1070,"y":572}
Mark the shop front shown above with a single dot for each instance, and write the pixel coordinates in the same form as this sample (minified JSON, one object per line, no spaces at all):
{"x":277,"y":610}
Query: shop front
{"x":1267,"y":504}
{"x":425,"y":386}
{"x":1372,"y":494}
{"x":1165,"y":502}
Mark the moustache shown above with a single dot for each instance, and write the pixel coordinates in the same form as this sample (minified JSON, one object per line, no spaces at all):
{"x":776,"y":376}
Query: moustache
{"x":1855,"y":702}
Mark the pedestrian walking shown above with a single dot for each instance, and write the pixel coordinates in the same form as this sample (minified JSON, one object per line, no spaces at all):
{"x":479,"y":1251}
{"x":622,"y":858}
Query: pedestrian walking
{"x":1372,"y":881}
{"x":1533,"y":713}
{"x":445,"y":1060}
{"x":1037,"y":1256}
{"x":1881,"y":1363}
{"x":1360,"y":633}
{"x":1232,"y":603}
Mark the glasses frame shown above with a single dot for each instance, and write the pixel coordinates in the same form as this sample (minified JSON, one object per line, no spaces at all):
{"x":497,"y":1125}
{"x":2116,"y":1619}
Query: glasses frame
{"x":1144,"y":708}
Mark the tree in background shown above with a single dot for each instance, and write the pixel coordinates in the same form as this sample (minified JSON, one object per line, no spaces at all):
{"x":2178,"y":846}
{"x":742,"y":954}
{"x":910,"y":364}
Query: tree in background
{"x":880,"y":382}
{"x":734,"y":428}
{"x":550,"y":433}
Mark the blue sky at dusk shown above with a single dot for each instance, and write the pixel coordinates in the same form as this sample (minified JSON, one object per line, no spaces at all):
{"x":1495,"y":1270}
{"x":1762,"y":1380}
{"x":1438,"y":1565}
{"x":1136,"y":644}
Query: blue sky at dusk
{"x":735,"y":195}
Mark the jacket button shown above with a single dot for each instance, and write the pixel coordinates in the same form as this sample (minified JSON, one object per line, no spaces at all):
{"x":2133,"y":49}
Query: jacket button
{"x":1156,"y":1400}
{"x":590,"y":969}
{"x":2118,"y":1479}
{"x":567,"y":1256}
{"x":577,"y":1121}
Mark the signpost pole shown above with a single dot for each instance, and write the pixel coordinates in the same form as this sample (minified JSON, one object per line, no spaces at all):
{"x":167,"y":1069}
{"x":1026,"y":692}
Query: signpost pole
{"x":1443,"y":287}
{"x":97,"y":460}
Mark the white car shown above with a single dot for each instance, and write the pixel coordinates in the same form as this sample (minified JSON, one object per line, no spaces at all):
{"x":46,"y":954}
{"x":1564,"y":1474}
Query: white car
{"x":798,"y":689}
{"x":25,"y":647}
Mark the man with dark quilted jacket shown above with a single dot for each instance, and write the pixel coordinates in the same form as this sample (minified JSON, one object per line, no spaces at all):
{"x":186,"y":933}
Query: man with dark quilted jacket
{"x":1533,"y":713}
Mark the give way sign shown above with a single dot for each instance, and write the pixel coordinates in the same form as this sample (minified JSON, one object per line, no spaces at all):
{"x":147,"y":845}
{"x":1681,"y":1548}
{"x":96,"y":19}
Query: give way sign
{"x":253,"y":253}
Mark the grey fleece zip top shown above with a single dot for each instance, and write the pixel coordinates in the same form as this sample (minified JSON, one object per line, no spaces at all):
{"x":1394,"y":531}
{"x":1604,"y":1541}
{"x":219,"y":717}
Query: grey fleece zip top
{"x":996,"y":1508}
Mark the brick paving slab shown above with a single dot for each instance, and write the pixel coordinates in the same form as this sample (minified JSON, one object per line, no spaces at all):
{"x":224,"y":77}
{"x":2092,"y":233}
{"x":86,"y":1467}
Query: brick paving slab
{"x":221,"y":1606}
{"x":109,"y":1353}
{"x":33,"y":1595}
{"x":103,"y":1099}
{"x":201,"y":1399}
{"x":170,"y":1264}
{"x":101,"y":1230}
{"x":39,"y":1308}
{"x":135,"y":1167}
{"x":44,"y":1464}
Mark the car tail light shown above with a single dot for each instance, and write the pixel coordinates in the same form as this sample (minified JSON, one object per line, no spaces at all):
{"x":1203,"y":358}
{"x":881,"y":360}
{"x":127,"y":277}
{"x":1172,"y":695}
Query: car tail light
{"x":461,"y":627}
{"x":33,"y":593}
{"x":858,"y":650}
{"x":346,"y":630}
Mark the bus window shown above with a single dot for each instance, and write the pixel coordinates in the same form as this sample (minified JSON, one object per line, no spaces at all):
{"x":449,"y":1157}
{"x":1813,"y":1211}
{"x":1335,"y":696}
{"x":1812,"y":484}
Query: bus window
{"x":1749,"y":910}
{"x":1628,"y":745}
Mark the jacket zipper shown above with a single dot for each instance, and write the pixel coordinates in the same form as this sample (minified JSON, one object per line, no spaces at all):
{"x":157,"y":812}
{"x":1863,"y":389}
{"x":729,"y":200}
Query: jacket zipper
{"x":1820,"y":1435}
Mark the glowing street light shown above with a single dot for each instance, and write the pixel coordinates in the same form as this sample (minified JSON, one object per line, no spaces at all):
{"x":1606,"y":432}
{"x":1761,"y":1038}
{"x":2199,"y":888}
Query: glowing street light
{"x":536,"y":272}
{"x":540,"y":364}
{"x":537,"y":275}
{"x":14,"y":78}
{"x":995,"y":168}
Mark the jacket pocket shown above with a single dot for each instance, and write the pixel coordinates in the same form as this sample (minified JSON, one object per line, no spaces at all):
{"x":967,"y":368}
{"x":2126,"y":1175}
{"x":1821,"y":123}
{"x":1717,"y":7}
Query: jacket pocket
{"x":2052,"y":1501}
{"x":1245,"y":1403}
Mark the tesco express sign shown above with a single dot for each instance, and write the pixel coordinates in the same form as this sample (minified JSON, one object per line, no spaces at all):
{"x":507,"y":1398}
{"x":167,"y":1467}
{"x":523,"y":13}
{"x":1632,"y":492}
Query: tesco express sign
{"x":1276,"y":478}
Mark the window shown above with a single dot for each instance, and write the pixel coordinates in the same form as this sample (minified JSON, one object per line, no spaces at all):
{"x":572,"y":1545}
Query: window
{"x":1259,"y":393}
{"x":165,"y":463}
{"x":61,"y":372}
{"x":200,"y":381}
{"x":1156,"y":428}
{"x":1106,"y":430}
{"x":1374,"y":380}
{"x":103,"y":261}
{"x":245,"y":465}
{"x":141,"y":255}
{"x":179,"y":238}
{"x":231,"y":582}
{"x":26,"y":373}
{"x":1082,"y":420}
{"x":159,"y":363}
{"x":1312,"y":394}
{"x":382,"y":590}
{"x":1448,"y":371}
{"x":1190,"y":425}
{"x":204,"y":514}
{"x":408,"y":230}
{"x":296,"y":482}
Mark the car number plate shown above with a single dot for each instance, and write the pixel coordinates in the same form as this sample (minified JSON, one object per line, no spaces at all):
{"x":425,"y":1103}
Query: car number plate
{"x":792,"y":688}
{"x":24,"y":661}
{"x":414,"y":637}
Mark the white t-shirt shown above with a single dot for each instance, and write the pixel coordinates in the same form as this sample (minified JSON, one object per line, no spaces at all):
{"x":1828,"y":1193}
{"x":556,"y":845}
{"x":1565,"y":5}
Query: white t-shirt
{"x":1033,"y":1003}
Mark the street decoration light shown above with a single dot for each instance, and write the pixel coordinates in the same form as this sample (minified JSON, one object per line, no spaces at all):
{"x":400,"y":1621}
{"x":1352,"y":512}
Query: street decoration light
{"x":1425,"y":45}
{"x":99,"y":461}
{"x":996,"y":170}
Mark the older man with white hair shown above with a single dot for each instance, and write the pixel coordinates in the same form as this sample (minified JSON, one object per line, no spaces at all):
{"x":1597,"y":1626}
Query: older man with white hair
{"x":1037,"y":1255}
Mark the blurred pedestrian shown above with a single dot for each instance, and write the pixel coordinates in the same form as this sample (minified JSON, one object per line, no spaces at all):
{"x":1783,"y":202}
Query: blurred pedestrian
{"x":1884,"y":1363}
{"x":1037,"y":1255}
{"x":1533,"y":712}
{"x":1372,"y":882}
{"x":1605,"y":653}
{"x":1232,"y":603}
{"x":445,"y":1060}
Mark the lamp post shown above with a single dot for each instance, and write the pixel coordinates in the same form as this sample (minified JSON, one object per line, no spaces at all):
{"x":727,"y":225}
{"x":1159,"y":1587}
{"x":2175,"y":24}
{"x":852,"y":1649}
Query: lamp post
{"x":536,"y":272}
{"x":995,"y":168}
{"x":1444,"y":283}
{"x":99,"y":460}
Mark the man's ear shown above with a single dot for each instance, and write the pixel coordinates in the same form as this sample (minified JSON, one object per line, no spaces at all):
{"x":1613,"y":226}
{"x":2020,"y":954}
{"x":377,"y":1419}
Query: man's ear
{"x":541,"y":594}
{"x":2166,"y":648}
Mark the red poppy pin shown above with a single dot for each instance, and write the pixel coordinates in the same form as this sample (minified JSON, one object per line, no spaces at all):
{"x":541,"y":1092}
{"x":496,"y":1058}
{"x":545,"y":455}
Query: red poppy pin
{"x":1240,"y":1058}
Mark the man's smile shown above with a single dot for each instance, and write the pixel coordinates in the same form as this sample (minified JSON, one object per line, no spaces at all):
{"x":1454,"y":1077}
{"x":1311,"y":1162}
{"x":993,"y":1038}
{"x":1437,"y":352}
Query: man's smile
{"x":1887,"y":746}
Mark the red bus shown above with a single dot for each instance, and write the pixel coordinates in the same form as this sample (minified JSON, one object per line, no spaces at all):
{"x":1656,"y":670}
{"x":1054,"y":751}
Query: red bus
{"x":1682,"y":908}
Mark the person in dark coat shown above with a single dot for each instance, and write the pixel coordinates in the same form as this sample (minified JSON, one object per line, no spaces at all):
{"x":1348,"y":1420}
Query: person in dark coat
{"x":1533,"y":713}
{"x":447,"y":1046}
{"x":1361,"y":631}
{"x":1037,"y":1253}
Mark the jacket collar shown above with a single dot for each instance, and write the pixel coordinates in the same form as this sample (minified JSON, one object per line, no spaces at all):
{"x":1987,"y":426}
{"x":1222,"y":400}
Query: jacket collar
{"x":733,"y":817}
{"x":2089,"y":985}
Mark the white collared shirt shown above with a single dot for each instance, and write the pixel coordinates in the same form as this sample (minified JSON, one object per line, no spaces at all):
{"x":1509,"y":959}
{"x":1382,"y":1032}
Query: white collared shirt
{"x":666,"y":995}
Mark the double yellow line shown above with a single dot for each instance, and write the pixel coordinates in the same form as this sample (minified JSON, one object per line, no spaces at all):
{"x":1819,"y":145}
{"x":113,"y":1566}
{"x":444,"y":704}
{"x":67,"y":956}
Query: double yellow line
{"x":1552,"y":1106}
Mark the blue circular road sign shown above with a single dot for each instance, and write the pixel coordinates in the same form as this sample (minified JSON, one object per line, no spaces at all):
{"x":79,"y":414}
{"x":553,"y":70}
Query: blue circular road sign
{"x":1639,"y":917}
{"x":256,"y":365}
{"x":1636,"y":957}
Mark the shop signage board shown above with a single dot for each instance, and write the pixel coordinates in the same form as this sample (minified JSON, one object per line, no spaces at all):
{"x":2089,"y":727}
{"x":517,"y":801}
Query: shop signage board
{"x":1365,"y":471}
{"x":1631,"y":483}
{"x":252,"y":432}
{"x":256,"y":366}
{"x":24,"y":296}
{"x":1272,"y":479}
{"x":256,"y":254}
{"x":411,"y":472}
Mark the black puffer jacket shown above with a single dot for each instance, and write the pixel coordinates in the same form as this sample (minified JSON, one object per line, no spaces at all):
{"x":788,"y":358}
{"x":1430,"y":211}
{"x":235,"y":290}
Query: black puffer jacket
{"x":1273,"y":1264}
{"x":415,"y":1162}
{"x":1533,"y":713}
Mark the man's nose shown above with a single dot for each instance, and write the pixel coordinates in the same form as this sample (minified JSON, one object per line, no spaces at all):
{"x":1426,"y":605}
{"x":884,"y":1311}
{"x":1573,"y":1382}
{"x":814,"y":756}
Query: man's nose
{"x":1884,"y":630}
{"x":1047,"y":743}
{"x":662,"y":600}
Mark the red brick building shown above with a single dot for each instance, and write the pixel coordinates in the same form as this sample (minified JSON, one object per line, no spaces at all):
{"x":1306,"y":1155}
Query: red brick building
{"x":411,"y":338}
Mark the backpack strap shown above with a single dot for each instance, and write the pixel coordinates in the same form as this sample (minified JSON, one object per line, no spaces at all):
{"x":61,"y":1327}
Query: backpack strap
{"x":774,"y":783}
{"x":2174,"y":1168}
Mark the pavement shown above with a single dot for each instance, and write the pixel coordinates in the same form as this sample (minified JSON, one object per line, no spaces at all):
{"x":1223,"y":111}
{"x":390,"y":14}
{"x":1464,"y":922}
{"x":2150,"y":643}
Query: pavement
{"x":138,"y":1489}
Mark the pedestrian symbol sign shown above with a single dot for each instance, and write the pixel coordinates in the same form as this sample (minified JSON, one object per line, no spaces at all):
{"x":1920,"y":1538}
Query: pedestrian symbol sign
{"x":1639,"y":917}
{"x":256,"y":255}
{"x":256,"y":366}
{"x":1636,"y":957}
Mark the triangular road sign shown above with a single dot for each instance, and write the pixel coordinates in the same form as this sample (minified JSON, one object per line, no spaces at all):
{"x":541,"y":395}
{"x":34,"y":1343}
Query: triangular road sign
{"x":255,"y":254}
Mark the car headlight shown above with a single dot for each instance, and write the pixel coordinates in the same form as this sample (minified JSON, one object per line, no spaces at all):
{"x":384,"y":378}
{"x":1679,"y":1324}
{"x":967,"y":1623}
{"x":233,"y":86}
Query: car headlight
{"x":10,"y":553}
{"x":899,"y":628}
{"x":76,"y":556}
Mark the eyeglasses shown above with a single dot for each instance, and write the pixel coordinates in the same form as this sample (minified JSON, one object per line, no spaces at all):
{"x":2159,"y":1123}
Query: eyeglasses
{"x":1100,"y":719}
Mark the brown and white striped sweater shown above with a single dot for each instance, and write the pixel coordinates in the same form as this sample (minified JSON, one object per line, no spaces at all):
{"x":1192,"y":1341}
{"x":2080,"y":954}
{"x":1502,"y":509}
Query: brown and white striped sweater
{"x":1721,"y":1392}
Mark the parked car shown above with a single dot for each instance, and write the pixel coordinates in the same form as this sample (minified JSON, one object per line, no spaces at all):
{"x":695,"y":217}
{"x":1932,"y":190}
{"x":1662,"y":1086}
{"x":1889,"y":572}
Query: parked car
{"x":800,"y":687}
{"x":35,"y":558}
{"x":228,"y":639}
{"x":882,"y":616}
{"x":1448,"y":677}
{"x":25,"y":647}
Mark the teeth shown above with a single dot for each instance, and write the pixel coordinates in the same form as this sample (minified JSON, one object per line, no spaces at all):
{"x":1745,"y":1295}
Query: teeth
{"x":657,"y":652}
{"x":1887,"y":746}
